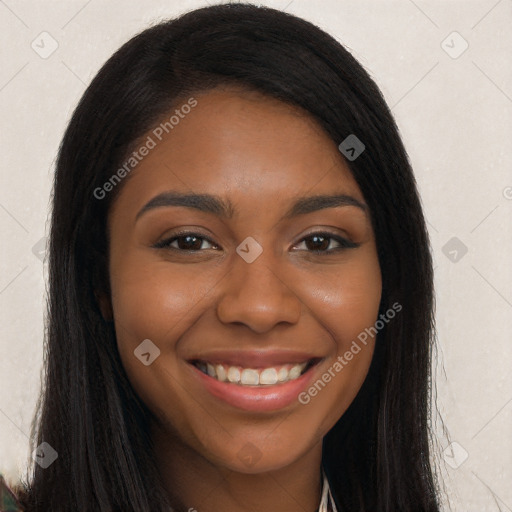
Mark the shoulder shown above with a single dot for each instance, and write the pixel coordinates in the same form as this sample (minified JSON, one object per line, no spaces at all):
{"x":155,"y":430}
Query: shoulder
{"x":8,"y":501}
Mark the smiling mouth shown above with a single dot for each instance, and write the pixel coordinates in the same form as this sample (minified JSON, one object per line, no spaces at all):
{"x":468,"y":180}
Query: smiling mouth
{"x":254,"y":377}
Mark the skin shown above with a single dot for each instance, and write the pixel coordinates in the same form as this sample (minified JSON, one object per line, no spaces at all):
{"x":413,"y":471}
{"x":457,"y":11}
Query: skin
{"x":262,"y":155}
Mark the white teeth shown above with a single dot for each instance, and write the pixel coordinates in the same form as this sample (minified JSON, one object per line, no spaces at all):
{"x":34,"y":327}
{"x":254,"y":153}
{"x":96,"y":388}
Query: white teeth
{"x":233,"y":374}
{"x":268,"y":376}
{"x":294,"y":372}
{"x":250,"y":376}
{"x":221,"y":373}
{"x":282,"y":374}
{"x":211,"y":370}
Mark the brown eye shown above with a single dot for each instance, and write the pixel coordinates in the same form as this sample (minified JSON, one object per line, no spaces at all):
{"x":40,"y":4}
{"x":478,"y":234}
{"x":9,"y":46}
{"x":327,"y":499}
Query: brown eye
{"x":318,"y":243}
{"x":189,"y":242}
{"x":185,"y":242}
{"x":321,"y":243}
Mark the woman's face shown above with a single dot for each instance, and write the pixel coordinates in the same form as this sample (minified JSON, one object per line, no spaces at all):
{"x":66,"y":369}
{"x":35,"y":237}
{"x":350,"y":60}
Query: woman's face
{"x":270,"y":271}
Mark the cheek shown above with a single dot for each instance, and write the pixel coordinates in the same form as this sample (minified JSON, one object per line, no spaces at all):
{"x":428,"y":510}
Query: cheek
{"x":346,"y":304}
{"x":346,"y":300}
{"x":150,"y":300}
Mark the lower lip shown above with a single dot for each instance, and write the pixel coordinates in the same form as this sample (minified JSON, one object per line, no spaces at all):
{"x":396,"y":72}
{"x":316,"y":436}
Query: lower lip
{"x":257,"y":399}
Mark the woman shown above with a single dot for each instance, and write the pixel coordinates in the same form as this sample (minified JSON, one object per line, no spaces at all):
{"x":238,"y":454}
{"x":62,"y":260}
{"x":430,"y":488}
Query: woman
{"x":241,"y":299}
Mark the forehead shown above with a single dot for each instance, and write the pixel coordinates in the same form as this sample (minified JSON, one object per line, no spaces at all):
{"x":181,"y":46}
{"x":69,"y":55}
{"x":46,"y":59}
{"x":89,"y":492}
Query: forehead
{"x":239,"y":143}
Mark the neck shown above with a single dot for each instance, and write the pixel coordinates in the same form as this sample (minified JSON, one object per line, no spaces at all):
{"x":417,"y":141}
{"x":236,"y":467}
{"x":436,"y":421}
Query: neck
{"x":195,"y":483}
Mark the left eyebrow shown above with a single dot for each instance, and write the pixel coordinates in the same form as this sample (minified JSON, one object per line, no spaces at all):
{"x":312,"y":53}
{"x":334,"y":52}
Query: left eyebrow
{"x":213,"y":204}
{"x":305,"y":205}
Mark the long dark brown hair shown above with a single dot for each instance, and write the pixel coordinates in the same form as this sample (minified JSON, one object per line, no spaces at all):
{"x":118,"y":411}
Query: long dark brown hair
{"x":377,"y":456}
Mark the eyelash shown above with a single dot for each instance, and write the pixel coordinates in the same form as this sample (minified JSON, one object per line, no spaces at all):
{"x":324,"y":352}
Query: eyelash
{"x":344,"y":243}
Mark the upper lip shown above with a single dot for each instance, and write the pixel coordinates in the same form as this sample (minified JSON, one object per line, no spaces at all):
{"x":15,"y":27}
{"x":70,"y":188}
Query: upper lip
{"x":254,"y":358}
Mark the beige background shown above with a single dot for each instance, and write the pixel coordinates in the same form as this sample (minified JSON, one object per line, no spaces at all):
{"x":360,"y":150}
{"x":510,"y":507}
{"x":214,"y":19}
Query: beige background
{"x":455,"y":114}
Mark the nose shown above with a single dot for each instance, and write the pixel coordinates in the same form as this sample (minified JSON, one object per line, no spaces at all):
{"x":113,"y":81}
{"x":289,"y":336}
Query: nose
{"x":258,"y":295}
